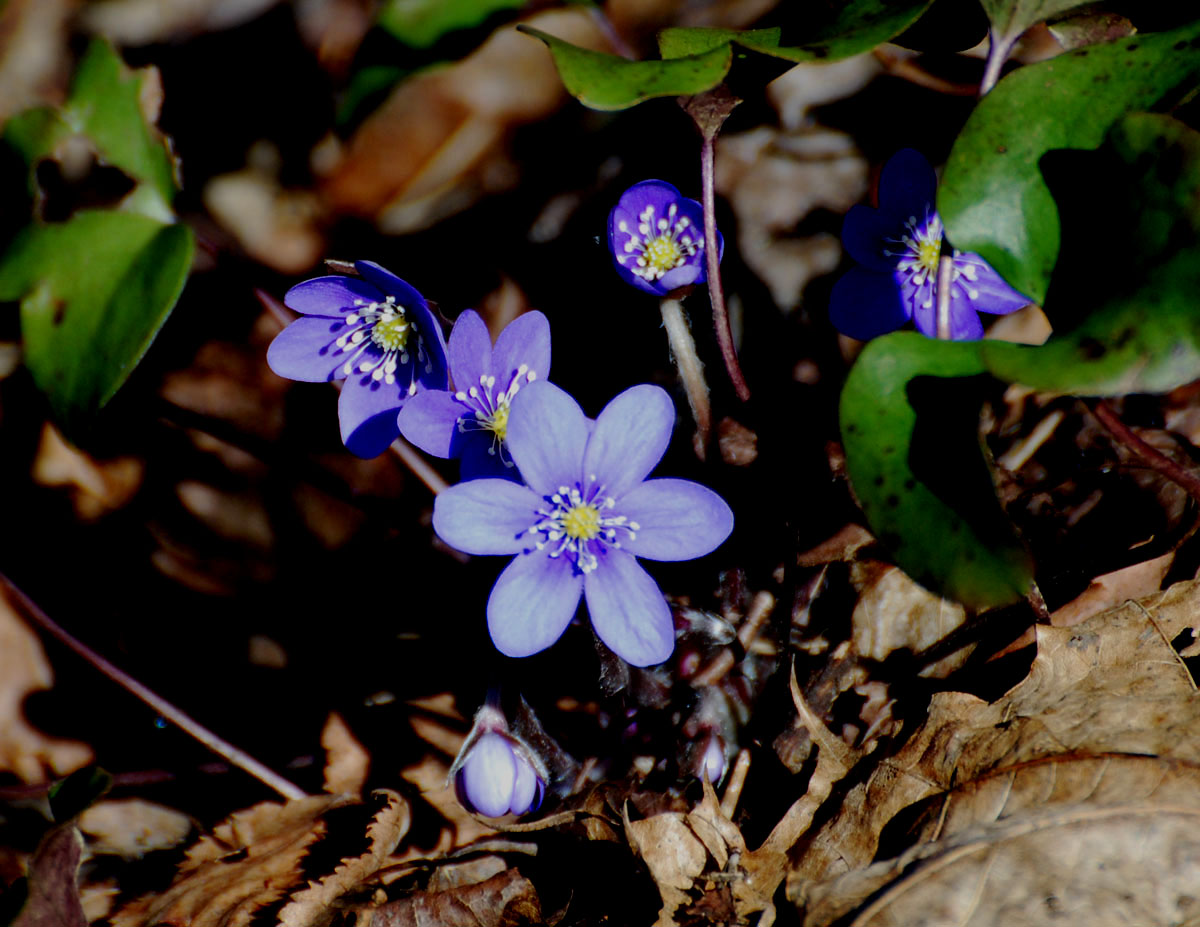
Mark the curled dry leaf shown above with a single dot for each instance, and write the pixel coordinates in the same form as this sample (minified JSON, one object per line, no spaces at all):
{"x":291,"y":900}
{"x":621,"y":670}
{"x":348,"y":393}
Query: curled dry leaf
{"x":439,"y":141}
{"x":1074,"y":792}
{"x":54,"y":882}
{"x":674,"y":854}
{"x":505,"y":900}
{"x":346,"y":760}
{"x":24,"y":669}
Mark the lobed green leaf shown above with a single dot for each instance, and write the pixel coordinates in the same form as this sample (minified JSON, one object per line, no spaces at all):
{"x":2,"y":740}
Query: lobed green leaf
{"x":994,"y":200}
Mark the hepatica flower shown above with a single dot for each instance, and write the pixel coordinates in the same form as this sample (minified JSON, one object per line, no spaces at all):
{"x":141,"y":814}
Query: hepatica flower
{"x":470,"y":421}
{"x":374,"y":331}
{"x":582,"y":516}
{"x":656,"y":236}
{"x":498,"y":776}
{"x":899,"y":248}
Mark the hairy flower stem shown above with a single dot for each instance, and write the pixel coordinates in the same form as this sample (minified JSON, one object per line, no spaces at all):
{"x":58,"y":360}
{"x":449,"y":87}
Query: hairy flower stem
{"x":944,"y":278}
{"x":998,"y":49}
{"x":187,"y":724}
{"x":691,"y":371}
{"x":716,"y":291}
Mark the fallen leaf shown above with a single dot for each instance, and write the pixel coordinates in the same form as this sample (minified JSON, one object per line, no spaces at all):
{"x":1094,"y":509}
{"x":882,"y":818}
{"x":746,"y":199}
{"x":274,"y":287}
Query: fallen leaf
{"x":34,"y":58}
{"x":346,"y":760}
{"x":54,"y":882}
{"x":96,"y":487}
{"x":505,"y":900}
{"x":24,"y":669}
{"x":1104,"y":592}
{"x":141,"y":22}
{"x":132,"y":827}
{"x":673,"y":853}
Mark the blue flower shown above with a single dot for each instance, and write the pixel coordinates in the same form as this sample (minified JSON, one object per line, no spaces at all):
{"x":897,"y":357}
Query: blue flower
{"x":471,"y":421}
{"x":377,"y":333}
{"x":899,"y":246}
{"x":656,"y":236}
{"x":584,"y":513}
{"x":498,"y":776}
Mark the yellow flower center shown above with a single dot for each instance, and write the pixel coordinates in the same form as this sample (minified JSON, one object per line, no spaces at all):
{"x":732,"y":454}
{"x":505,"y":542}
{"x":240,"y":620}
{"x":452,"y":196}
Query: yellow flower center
{"x":391,"y":333}
{"x":662,"y":254}
{"x":928,"y":252}
{"x":497,"y":422}
{"x":581,"y":522}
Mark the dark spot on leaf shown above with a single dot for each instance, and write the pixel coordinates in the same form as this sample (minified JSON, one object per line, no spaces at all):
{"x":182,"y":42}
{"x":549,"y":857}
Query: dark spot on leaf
{"x":910,"y":484}
{"x":60,"y":311}
{"x":879,"y":480}
{"x":1132,"y":46}
{"x":1091,"y":348}
{"x":892,"y":501}
{"x":889,"y":449}
{"x":1082,"y":53}
{"x":852,"y":429}
{"x":820,"y":51}
{"x":1123,"y":337}
{"x":1001,"y":149}
{"x":1181,"y":45}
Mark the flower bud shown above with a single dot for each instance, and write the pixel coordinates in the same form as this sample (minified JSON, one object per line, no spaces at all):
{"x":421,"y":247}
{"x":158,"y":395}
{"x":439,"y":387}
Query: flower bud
{"x":712,"y":760}
{"x":496,"y":777}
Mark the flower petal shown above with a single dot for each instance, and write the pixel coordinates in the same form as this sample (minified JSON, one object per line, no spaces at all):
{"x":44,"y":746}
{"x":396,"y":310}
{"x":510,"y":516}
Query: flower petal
{"x":677,"y":520}
{"x":367,"y":413}
{"x":988,"y":292}
{"x":488,"y":776}
{"x":333,"y":295}
{"x":682,"y":276}
{"x":547,"y":434}
{"x":429,"y":420}
{"x":630,"y":438}
{"x":486,"y":516}
{"x":907,"y":185}
{"x":628,"y":610}
{"x":532,"y":602}
{"x":525,"y":340}
{"x":469,"y":350}
{"x":964,"y":320}
{"x":305,"y":350}
{"x":864,"y":304}
{"x":479,"y":458}
{"x":389,"y":284}
{"x":864,"y":234}
{"x":525,"y":788}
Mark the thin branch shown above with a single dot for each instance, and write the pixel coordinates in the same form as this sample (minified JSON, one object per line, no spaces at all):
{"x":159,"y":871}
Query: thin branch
{"x":1150,"y":456}
{"x":691,"y":371}
{"x":907,"y":69}
{"x":190,"y":726}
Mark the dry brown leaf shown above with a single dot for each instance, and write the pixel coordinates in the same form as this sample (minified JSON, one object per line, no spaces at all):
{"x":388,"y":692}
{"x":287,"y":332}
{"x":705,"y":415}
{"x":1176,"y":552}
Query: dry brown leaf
{"x":346,"y":759}
{"x":505,"y":900}
{"x":23,"y":670}
{"x":1051,"y":784}
{"x":250,"y":860}
{"x":235,"y":516}
{"x":895,"y":613}
{"x":1111,"y":589}
{"x":310,"y":907}
{"x":141,"y":22}
{"x":439,"y":141}
{"x":132,"y":827}
{"x":674,"y":855}
{"x":53,"y":882}
{"x":96,"y":487}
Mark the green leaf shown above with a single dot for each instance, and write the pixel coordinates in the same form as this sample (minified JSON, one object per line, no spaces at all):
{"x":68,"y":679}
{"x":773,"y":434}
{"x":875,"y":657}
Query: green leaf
{"x":994,"y":200}
{"x":103,"y":109}
{"x":421,"y":23}
{"x":609,"y":82}
{"x":859,"y":26}
{"x":909,"y":420}
{"x":1144,"y":333}
{"x":94,"y":292}
{"x":1009,"y":18}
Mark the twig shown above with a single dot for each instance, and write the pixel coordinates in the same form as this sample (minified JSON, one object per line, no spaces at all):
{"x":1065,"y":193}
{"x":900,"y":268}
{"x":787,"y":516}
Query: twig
{"x":737,"y":780}
{"x":222,"y":748}
{"x":406,"y":453}
{"x":691,"y":371}
{"x":1150,"y":456}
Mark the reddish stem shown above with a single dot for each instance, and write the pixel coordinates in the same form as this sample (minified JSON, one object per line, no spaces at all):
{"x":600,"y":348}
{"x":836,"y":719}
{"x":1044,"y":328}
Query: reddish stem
{"x":716,"y":291}
{"x":1150,"y":456}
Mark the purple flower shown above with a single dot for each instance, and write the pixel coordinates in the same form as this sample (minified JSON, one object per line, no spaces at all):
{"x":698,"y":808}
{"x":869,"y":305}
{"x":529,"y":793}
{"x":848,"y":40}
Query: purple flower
{"x":471,"y":422}
{"x":583,"y":515}
{"x":497,"y":776}
{"x":899,"y":246}
{"x":656,"y":237}
{"x":376,"y":332}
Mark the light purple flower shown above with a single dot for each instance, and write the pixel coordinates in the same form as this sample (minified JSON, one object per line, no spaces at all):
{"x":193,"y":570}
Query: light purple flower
{"x":497,"y":777}
{"x":471,"y":420}
{"x":377,"y":333}
{"x":584,"y":513}
{"x":656,"y":236}
{"x":899,"y":246}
